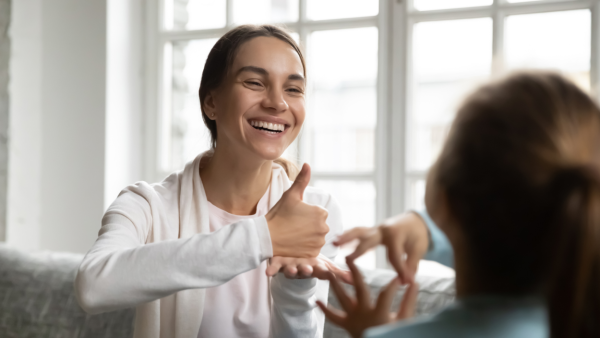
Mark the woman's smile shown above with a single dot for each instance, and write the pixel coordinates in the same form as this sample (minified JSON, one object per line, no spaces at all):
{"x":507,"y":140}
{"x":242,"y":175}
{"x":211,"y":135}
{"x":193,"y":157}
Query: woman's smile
{"x":269,"y":126}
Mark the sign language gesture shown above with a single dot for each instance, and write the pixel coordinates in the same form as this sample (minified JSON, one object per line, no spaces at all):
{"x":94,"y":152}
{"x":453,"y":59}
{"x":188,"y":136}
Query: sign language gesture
{"x":299,"y":268}
{"x":297,"y":229}
{"x":402,"y":234}
{"x":359,"y":313}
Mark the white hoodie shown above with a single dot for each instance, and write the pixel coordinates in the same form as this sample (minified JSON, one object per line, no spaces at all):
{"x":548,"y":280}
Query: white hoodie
{"x":155,"y":251}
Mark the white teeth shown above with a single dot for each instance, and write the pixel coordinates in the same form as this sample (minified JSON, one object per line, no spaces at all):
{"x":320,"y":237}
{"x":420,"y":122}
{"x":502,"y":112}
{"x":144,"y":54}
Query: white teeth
{"x":267,"y":125}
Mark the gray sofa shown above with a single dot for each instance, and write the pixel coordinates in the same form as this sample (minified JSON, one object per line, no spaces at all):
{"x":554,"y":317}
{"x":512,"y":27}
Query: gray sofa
{"x":37,"y":298}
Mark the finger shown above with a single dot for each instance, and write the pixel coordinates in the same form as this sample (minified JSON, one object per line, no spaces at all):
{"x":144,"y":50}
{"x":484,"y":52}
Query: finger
{"x":384,"y":301}
{"x":290,"y":271}
{"x":350,"y":235}
{"x":273,"y":268}
{"x":345,"y":301}
{"x":333,"y":315}
{"x":413,"y":257}
{"x":362,"y":292}
{"x":396,"y":257}
{"x":305,"y":271}
{"x":301,"y":182}
{"x":409,"y":301}
{"x":366,"y":243}
{"x":321,"y":272}
{"x":343,"y":275}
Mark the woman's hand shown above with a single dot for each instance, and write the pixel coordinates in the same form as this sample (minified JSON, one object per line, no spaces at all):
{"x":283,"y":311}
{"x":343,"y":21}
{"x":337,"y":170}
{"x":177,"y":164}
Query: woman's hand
{"x":298,"y":268}
{"x":359,"y":313}
{"x":402,"y":234}
{"x":297,"y":229}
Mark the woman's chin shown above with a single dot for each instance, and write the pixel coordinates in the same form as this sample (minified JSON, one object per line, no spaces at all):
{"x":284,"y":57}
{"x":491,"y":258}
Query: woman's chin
{"x":269,"y":153}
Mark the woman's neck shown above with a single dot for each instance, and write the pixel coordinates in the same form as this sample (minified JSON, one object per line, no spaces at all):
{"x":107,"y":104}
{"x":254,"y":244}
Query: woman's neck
{"x":235,"y":183}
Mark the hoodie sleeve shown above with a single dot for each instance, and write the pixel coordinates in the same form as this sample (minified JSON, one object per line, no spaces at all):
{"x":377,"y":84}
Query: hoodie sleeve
{"x":121,"y":270}
{"x":440,"y":249}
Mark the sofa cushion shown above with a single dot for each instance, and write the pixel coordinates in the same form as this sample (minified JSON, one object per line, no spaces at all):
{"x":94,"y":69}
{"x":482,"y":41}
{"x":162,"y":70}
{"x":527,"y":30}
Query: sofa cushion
{"x":37,"y":299}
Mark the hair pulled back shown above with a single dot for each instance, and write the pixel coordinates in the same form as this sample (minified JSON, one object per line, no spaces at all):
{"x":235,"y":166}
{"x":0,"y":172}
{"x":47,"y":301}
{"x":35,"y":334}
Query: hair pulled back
{"x":218,"y":65}
{"x":520,"y":170}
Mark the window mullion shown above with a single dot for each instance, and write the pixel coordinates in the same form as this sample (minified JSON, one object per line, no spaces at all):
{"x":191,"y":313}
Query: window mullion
{"x":498,"y":39}
{"x":229,"y":14}
{"x":595,"y":51}
{"x":400,"y":51}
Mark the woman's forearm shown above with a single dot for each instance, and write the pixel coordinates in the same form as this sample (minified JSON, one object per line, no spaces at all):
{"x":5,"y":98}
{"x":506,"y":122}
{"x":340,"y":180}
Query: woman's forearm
{"x":120,"y":272}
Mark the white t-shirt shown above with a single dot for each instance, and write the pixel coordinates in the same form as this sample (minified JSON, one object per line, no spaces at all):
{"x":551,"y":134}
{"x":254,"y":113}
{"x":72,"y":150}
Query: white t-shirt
{"x":240,"y":307}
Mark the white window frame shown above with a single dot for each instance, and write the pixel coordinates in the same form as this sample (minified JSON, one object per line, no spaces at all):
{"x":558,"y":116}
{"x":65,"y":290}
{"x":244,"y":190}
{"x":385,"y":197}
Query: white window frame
{"x":404,"y":18}
{"x":395,"y":23}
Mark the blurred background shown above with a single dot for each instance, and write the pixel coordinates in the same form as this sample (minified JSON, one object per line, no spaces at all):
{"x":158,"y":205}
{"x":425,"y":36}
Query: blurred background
{"x":100,"y":94}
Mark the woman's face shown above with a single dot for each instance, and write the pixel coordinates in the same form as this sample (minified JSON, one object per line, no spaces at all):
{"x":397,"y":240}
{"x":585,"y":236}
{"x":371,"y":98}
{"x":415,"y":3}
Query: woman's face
{"x":260,"y":107}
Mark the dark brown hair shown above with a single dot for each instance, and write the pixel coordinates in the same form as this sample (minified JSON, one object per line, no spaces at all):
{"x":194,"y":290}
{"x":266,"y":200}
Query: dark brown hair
{"x":520,"y":171}
{"x":218,"y":64}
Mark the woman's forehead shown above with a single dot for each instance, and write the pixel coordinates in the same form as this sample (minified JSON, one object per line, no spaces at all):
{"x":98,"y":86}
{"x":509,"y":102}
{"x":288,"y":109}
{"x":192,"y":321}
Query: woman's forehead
{"x":268,"y":53}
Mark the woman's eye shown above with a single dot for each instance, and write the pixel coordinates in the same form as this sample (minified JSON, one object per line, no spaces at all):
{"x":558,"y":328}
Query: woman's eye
{"x":253,"y":83}
{"x":295,"y":90}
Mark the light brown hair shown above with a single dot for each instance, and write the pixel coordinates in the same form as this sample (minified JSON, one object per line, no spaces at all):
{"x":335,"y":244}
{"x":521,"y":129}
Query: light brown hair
{"x":218,"y":64}
{"x":521,"y":174}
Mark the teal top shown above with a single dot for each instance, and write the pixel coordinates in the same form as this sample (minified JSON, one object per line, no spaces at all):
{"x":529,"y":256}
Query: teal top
{"x":475,"y":317}
{"x":487,"y":316}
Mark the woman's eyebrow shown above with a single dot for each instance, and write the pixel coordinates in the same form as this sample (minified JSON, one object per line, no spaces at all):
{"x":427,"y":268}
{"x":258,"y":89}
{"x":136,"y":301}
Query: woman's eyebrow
{"x":254,"y":69}
{"x":264,"y":72}
{"x":296,"y":77}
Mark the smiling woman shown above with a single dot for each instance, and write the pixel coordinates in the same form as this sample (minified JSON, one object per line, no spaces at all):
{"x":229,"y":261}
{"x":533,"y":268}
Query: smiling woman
{"x":192,"y":253}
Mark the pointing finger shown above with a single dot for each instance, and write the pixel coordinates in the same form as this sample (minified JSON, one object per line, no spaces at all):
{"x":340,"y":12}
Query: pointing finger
{"x":409,"y":301}
{"x":333,"y":315}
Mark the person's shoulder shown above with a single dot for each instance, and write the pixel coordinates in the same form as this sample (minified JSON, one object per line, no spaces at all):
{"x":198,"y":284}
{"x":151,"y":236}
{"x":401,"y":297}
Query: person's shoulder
{"x":165,"y":190}
{"x":458,"y":321}
{"x":429,"y":326}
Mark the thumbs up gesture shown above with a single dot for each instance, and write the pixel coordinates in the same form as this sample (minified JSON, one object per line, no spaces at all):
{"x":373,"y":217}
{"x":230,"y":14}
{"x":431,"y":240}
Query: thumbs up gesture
{"x":297,"y":229}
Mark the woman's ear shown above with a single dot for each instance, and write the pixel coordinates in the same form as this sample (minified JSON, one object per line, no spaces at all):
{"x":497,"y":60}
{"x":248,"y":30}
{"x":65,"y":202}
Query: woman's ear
{"x":210,"y":106}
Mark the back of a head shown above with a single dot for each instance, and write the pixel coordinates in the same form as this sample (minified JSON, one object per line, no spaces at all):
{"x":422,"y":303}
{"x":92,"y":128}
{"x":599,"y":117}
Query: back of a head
{"x":521,"y":173}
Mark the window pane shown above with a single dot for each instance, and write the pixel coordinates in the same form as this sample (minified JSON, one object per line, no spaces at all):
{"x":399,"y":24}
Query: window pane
{"x":338,"y":9}
{"x":264,"y":11}
{"x":537,"y":41}
{"x":416,"y":194}
{"x":187,"y":135}
{"x":340,"y":129}
{"x":357,"y":201}
{"x":449,"y":59}
{"x":428,"y":5}
{"x":194,"y":14}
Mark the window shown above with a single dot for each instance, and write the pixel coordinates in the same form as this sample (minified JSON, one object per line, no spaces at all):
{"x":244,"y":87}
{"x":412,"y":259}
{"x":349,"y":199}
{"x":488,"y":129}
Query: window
{"x":385,"y":78}
{"x":452,"y":46}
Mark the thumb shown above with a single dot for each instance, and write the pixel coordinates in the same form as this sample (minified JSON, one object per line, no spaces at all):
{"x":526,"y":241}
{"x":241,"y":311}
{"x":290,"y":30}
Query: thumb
{"x":301,"y":182}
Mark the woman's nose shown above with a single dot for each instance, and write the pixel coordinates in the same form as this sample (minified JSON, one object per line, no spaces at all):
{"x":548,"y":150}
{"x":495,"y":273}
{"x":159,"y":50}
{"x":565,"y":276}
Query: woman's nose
{"x":275,"y":101}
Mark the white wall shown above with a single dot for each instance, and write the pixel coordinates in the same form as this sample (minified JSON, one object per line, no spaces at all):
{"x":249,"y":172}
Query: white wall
{"x":124,"y":86}
{"x":57,"y":124}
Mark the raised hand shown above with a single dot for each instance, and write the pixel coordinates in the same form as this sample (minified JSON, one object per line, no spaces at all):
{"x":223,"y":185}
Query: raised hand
{"x":299,"y":268}
{"x":402,"y":234}
{"x":359,"y":314}
{"x":297,"y":229}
